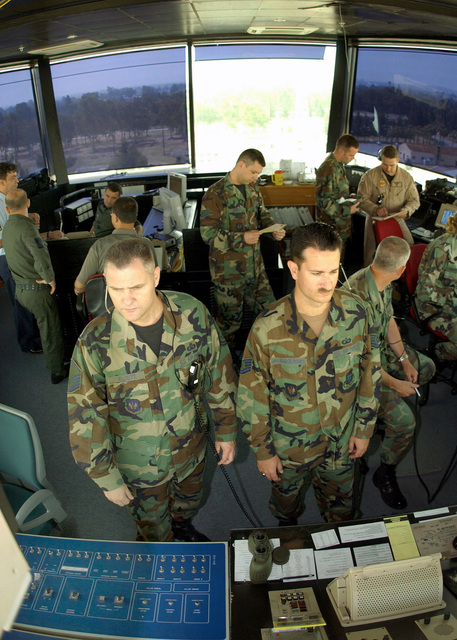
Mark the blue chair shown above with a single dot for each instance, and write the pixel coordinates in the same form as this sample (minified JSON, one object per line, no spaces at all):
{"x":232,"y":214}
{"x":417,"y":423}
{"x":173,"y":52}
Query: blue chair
{"x":23,"y":474}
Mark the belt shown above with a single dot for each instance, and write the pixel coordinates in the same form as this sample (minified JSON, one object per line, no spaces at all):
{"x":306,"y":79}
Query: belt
{"x":31,"y":286}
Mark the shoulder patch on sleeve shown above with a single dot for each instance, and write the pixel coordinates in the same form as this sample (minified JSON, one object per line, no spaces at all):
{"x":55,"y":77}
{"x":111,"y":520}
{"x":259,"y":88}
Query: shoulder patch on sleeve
{"x":246,"y":366}
{"x":374,"y":341}
{"x":74,"y":381}
{"x":40,"y":242}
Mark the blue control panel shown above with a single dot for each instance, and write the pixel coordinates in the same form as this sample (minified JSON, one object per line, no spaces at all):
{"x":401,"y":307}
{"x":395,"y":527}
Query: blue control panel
{"x":25,"y":635}
{"x":101,"y":589}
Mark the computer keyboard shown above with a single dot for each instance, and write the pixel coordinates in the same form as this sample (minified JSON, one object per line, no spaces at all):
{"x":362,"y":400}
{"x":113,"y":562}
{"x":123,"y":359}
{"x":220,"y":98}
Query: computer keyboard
{"x":422,"y":233}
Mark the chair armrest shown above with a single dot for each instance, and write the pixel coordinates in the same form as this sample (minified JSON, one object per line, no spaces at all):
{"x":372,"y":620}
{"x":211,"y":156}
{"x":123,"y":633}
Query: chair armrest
{"x":54,"y":510}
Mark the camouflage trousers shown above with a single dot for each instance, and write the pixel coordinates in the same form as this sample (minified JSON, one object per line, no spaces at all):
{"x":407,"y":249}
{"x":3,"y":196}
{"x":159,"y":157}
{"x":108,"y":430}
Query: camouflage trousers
{"x":155,"y":509}
{"x":394,"y":412}
{"x":332,"y":483}
{"x":448,"y":327}
{"x":255,"y":294}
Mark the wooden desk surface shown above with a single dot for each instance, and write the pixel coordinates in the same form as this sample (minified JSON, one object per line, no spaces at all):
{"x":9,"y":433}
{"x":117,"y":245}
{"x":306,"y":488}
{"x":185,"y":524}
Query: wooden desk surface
{"x":289,"y":195}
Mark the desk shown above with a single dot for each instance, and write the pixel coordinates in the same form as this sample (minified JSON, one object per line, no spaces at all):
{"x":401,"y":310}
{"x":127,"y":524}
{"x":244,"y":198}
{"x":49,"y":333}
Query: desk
{"x":250,"y":603}
{"x":290,"y":195}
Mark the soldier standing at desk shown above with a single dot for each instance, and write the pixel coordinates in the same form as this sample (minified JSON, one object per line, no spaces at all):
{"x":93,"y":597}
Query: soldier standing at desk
{"x":30,"y":264}
{"x":310,"y":383}
{"x":132,"y":403}
{"x":332,"y":185}
{"x":231,"y":218}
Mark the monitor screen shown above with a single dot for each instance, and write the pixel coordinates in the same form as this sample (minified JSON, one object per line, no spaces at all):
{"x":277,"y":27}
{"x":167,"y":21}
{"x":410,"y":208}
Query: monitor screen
{"x":177,"y":182}
{"x":173,"y":215}
{"x":446,"y":211}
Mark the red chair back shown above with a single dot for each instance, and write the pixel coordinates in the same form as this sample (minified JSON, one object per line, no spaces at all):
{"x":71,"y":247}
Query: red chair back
{"x":385,"y":228}
{"x":412,"y":266}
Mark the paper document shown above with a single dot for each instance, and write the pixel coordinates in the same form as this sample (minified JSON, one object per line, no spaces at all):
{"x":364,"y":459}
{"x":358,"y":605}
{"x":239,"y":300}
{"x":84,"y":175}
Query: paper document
{"x":243,"y":559}
{"x":431,"y":512}
{"x":272,"y":227}
{"x":299,"y":567}
{"x":392,"y":215}
{"x":332,"y":563}
{"x":436,"y":536}
{"x":324,"y":539}
{"x":373,"y":554}
{"x":401,"y":538}
{"x":357,"y":532}
{"x":351,"y":200}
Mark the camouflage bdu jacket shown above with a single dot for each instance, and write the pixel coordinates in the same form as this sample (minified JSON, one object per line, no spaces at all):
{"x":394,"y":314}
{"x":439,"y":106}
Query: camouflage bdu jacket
{"x":225,"y":216}
{"x":379,"y":307}
{"x":300,"y":397}
{"x":331,"y":185}
{"x":130,"y":418}
{"x":437,"y":284}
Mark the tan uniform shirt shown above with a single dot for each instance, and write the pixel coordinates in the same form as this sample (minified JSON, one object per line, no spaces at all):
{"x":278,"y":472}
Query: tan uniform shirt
{"x":399,"y":194}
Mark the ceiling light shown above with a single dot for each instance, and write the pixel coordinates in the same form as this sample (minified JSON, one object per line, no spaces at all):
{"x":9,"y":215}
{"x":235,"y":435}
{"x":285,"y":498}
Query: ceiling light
{"x":263,"y":30}
{"x":66,"y":47}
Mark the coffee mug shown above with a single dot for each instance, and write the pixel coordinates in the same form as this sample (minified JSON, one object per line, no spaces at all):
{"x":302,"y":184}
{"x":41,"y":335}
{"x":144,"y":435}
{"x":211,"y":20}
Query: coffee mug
{"x":277,"y":178}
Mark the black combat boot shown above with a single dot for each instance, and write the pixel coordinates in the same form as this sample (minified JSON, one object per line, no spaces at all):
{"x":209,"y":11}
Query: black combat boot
{"x":385,"y":480}
{"x":184,"y":531}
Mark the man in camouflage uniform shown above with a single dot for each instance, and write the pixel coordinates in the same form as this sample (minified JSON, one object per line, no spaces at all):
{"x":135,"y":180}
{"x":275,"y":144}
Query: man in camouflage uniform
{"x":332,"y":185}
{"x":231,"y":217}
{"x":403,"y":369}
{"x":436,"y":291}
{"x":310,"y":383}
{"x":132,"y":404}
{"x":30,"y":264}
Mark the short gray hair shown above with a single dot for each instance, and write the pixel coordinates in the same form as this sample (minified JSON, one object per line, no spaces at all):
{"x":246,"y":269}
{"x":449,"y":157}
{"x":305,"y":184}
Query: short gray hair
{"x":123,"y":253}
{"x":391,"y":254}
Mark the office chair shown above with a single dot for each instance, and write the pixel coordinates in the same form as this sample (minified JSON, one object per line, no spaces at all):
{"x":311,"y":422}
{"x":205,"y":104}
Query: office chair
{"x":434,"y":336}
{"x":411,"y":275}
{"x":23,"y":474}
{"x":91,"y":303}
{"x":385,"y":228}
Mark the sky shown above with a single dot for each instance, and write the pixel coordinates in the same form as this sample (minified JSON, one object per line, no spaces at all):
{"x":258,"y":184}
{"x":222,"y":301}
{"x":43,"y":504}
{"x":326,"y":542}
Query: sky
{"x":435,"y":69}
{"x":164,"y":66}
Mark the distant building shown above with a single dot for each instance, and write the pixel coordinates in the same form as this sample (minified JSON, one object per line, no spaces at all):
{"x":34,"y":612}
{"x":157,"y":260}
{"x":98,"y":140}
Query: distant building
{"x":448,"y":156}
{"x":418,"y":154}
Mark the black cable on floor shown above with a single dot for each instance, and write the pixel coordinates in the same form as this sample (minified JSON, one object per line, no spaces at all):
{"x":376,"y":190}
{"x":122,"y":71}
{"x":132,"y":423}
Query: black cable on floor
{"x":449,"y":469}
{"x":204,"y":429}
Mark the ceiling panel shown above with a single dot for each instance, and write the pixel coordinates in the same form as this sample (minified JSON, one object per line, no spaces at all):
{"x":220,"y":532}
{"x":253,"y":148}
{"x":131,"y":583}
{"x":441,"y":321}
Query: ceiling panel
{"x":36,"y":23}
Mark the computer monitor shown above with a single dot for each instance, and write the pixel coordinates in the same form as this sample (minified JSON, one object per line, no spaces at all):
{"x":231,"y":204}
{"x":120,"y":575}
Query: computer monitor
{"x":446,"y":211}
{"x":353,"y":173}
{"x":173,"y":215}
{"x":177,"y":182}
